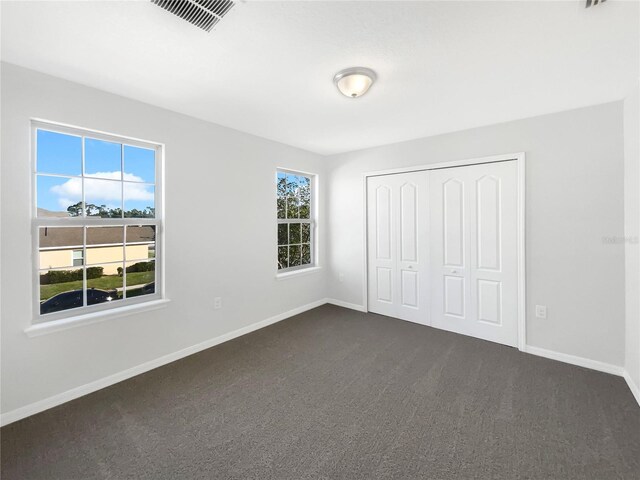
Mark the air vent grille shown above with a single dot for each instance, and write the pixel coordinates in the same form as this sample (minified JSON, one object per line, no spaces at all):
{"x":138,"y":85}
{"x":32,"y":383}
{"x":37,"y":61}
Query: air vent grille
{"x":204,"y":14}
{"x":593,"y":3}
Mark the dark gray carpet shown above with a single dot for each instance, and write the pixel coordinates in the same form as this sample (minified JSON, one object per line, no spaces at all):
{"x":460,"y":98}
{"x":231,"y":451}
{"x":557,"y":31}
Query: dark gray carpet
{"x":336,"y":394}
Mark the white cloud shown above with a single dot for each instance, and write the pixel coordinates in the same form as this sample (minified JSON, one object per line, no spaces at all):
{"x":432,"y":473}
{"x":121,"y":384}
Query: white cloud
{"x":65,"y":202}
{"x":100,"y":192}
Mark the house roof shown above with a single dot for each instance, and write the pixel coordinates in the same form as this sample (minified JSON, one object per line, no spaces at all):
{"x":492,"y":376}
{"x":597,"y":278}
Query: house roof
{"x":43,"y":212}
{"x":72,"y":237}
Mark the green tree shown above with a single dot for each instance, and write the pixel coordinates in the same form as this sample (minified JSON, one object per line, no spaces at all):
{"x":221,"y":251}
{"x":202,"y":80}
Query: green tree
{"x":103,"y":211}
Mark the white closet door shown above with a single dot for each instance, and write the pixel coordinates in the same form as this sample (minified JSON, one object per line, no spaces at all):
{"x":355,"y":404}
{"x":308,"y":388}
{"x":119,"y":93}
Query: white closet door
{"x":473,"y":245}
{"x":397,"y":245}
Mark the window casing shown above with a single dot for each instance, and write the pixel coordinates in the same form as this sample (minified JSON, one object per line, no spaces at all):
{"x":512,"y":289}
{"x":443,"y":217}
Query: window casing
{"x":97,"y":221}
{"x":296,"y":209}
{"x":78,"y":258}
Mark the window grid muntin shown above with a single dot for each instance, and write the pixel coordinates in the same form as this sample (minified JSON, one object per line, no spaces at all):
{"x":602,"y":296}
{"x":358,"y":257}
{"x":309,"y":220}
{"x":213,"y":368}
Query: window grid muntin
{"x":89,"y":221}
{"x":83,"y":134}
{"x":79,"y":177}
{"x":85,"y":265}
{"x":311,"y":221}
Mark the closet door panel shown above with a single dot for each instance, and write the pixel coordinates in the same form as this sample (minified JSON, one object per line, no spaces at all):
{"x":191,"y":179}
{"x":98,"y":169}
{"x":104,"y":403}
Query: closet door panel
{"x":381,"y":246}
{"x":473,"y":241}
{"x":449,"y":248}
{"x":397,"y":222}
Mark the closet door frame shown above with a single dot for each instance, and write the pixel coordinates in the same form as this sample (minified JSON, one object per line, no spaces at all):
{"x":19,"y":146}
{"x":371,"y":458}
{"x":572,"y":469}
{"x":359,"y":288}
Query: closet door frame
{"x":519,"y":158}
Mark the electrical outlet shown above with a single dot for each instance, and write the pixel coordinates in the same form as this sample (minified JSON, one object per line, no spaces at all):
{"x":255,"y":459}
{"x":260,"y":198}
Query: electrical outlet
{"x":217,"y":303}
{"x":541,"y":311}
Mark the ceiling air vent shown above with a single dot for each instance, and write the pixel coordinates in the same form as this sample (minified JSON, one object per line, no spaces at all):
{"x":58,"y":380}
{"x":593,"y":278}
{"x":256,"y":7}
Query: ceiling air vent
{"x":204,"y":14}
{"x":593,"y":3}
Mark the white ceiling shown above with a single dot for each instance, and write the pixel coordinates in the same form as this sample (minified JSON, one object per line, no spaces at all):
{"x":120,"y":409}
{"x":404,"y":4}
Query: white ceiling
{"x":267,"y":68}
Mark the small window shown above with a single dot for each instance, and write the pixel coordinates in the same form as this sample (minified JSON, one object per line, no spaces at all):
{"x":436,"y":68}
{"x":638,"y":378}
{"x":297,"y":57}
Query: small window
{"x":96,"y":221}
{"x":296,"y":220}
{"x":78,"y":258}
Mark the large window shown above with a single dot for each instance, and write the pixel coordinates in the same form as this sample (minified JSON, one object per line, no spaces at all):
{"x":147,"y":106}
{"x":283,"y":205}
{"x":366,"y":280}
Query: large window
{"x":97,"y":221}
{"x":296,"y":226}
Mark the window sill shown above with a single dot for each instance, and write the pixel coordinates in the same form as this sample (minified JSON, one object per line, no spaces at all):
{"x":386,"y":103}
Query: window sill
{"x":93,"y":317}
{"x":298,"y":273}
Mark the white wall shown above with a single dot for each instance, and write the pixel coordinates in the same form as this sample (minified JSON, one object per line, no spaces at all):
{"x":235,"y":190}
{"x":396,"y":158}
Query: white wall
{"x":574,"y":198}
{"x":632,"y":230}
{"x":575,"y":169}
{"x":220,"y":238}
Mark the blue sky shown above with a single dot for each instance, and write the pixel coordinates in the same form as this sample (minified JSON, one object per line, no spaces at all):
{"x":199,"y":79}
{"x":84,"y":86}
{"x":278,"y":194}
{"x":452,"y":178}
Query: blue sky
{"x":61,"y":154}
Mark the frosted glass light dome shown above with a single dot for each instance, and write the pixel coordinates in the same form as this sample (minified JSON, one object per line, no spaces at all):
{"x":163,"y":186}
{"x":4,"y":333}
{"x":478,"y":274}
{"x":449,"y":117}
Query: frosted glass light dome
{"x":354,"y":82}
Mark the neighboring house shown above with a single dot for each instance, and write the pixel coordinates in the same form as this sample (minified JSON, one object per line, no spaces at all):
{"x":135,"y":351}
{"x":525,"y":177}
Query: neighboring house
{"x":62,"y":247}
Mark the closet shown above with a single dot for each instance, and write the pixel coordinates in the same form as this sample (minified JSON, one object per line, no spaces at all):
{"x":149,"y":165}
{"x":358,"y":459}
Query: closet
{"x":442,"y":248}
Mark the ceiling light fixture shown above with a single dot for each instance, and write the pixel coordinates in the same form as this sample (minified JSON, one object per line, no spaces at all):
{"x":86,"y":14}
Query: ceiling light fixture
{"x":355,"y":81}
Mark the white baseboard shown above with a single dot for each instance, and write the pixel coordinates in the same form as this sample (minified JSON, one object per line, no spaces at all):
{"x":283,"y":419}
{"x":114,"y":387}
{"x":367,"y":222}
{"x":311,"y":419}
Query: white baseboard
{"x":55,"y":400}
{"x":632,"y":386}
{"x":352,"y":306}
{"x":587,"y":363}
{"x":573,"y":360}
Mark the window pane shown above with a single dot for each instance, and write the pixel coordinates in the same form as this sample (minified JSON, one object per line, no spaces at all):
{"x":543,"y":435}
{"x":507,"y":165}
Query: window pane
{"x":104,"y":283}
{"x":283,"y":257}
{"x":60,"y":290}
{"x":292,"y":197}
{"x":305,"y":196}
{"x":103,"y":198}
{"x":294,"y":233}
{"x":306,"y":254}
{"x":57,"y":245}
{"x":294,"y":255}
{"x":281,"y":189}
{"x":140,"y":278}
{"x":141,"y":242}
{"x":139,"y":164}
{"x":139,"y":200}
{"x":282,"y":208}
{"x":105,"y":244}
{"x":292,"y":207}
{"x":102,"y":159}
{"x":58,"y":153}
{"x":59,"y":196}
{"x":306,"y":233}
{"x":283,"y":236}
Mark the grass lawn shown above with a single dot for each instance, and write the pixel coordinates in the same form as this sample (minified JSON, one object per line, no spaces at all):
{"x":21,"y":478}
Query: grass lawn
{"x":106,"y":282}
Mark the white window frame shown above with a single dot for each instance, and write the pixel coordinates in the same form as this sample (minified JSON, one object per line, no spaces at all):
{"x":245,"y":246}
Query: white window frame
{"x":73,"y":257}
{"x":312,"y":221}
{"x":87,"y":312}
